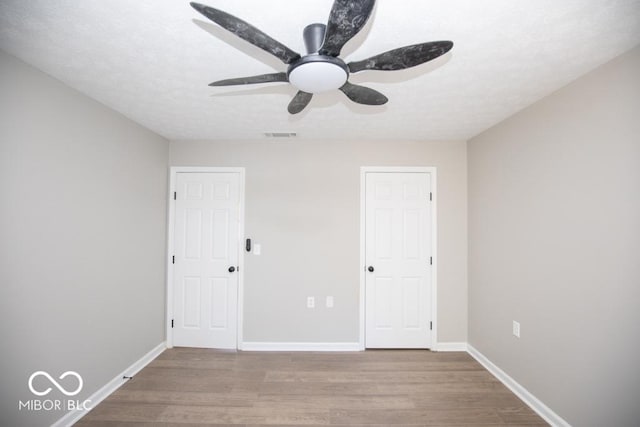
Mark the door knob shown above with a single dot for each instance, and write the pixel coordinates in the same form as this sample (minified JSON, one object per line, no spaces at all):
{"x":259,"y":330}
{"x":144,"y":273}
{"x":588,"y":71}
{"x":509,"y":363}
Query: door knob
{"x":232,"y":269}
{"x":371,"y":269}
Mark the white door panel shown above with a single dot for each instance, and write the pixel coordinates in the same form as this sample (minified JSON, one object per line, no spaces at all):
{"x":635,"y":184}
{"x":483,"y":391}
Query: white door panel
{"x":397,"y":247}
{"x":206,"y":245}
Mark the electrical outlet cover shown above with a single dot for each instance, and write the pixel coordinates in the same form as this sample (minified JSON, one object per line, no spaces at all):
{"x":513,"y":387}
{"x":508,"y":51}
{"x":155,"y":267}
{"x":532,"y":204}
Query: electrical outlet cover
{"x":516,"y":329}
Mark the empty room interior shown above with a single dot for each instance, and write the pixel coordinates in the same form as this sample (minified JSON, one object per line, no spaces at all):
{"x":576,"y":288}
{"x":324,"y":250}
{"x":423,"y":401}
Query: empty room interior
{"x":320,"y":213}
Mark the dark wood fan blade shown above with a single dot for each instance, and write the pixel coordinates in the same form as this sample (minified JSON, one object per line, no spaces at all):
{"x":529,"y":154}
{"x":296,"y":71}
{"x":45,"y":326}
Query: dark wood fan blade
{"x":403,"y":57}
{"x":262,"y":78}
{"x":248,"y":33}
{"x":299,"y":102}
{"x":363,"y":95}
{"x":346,"y":19}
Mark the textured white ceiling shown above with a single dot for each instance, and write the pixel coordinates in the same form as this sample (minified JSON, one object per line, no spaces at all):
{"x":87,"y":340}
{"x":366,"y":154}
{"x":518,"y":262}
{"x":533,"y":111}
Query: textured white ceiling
{"x":151,"y":60}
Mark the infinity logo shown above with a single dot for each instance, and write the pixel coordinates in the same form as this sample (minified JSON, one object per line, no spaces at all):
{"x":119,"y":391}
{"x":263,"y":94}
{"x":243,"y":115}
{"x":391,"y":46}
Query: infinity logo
{"x":55,"y":383}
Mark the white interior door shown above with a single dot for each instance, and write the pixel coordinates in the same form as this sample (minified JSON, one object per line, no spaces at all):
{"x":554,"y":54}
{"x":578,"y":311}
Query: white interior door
{"x":206,"y":247}
{"x":398,"y":260}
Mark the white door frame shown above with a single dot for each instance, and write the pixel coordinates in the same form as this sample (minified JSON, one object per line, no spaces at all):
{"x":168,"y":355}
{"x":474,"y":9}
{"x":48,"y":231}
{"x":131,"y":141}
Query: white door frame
{"x":434,"y":243}
{"x":170,"y":243}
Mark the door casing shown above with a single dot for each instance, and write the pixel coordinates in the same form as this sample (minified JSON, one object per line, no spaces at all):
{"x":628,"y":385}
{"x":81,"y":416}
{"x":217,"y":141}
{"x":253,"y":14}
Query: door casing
{"x":434,"y":240}
{"x":170,"y":244}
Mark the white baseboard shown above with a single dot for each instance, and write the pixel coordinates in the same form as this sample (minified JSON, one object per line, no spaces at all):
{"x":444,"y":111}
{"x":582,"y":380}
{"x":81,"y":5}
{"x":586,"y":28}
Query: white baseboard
{"x":74,"y":416}
{"x":301,"y":346}
{"x":331,"y":346}
{"x":540,"y":408}
{"x":450,"y":346}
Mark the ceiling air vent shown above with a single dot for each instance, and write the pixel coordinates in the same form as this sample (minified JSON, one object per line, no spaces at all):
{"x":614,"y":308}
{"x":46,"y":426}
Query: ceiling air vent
{"x":280,"y":134}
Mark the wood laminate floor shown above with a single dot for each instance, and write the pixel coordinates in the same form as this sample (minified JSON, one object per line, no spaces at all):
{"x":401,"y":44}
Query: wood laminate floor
{"x":382,"y":387}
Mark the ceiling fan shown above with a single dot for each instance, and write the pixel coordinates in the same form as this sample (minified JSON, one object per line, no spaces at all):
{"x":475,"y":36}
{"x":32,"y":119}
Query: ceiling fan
{"x":321,"y":69}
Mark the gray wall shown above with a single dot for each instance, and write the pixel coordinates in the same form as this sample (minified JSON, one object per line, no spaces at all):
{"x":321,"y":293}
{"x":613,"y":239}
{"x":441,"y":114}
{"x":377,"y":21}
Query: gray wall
{"x":554,"y":241}
{"x":82,"y":238}
{"x":303,"y":207}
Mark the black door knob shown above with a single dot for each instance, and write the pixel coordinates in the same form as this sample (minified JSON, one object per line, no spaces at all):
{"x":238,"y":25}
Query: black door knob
{"x":370,"y":269}
{"x":232,"y":269}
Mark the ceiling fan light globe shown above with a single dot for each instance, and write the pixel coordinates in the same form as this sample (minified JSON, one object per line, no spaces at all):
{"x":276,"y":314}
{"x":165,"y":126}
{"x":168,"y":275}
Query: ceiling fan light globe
{"x":316,"y":76}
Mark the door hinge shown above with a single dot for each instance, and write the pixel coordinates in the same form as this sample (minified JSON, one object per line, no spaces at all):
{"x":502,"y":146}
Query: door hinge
{"x":175,"y":195}
{"x":172,"y":323}
{"x":431,"y":326}
{"x":173,"y":259}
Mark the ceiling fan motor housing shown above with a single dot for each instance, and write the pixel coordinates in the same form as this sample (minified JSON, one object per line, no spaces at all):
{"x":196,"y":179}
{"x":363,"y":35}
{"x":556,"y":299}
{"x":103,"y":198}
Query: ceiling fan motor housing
{"x":315,"y":73}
